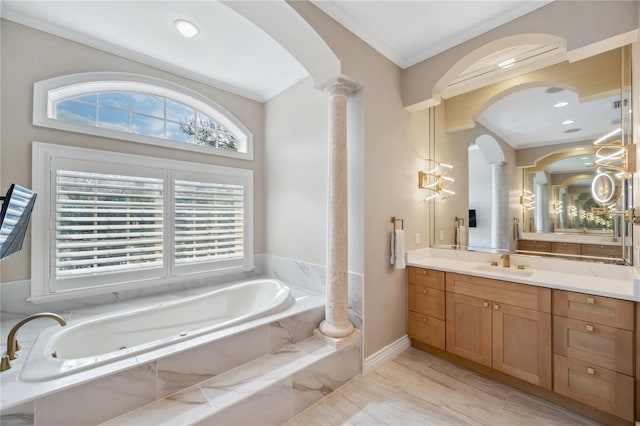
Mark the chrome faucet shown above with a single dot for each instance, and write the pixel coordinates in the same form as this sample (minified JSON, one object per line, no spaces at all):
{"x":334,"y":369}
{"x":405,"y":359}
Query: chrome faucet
{"x":505,"y":260}
{"x":12,"y":343}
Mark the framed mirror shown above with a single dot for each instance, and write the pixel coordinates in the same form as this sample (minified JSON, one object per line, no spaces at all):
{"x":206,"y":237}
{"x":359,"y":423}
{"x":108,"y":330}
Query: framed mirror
{"x":524,"y":161}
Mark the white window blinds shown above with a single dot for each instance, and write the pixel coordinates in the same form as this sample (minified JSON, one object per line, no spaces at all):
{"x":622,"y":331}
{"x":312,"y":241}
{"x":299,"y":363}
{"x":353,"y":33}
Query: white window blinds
{"x":209,"y":221}
{"x":107,"y":223}
{"x":117,"y":220}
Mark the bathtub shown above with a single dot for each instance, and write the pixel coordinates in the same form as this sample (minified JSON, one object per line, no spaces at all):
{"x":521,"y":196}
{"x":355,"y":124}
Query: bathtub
{"x":59,"y":351}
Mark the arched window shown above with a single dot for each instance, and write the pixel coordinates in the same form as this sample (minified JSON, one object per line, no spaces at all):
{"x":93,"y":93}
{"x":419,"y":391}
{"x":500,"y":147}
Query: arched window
{"x":140,"y":109}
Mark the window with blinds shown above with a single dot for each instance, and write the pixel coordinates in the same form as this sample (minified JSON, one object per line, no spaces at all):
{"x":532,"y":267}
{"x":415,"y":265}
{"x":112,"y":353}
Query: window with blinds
{"x":110,"y":219}
{"x":209,"y":221}
{"x":107,"y":223}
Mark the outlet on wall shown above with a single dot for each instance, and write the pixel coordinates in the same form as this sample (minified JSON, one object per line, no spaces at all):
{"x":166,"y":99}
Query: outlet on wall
{"x":441,"y":235}
{"x":417,"y":238}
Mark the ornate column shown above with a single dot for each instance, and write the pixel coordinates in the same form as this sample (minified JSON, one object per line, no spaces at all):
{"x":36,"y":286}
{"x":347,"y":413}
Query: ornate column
{"x":336,"y":323}
{"x":497,"y":203}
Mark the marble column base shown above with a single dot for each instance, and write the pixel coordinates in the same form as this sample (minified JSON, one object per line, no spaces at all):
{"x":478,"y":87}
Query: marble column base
{"x":337,"y":342}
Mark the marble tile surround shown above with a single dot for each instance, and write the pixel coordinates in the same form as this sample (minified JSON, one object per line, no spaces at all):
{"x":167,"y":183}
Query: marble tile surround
{"x":302,"y":276}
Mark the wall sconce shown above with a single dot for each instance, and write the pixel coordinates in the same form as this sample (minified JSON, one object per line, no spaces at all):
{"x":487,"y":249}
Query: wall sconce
{"x":614,"y":162}
{"x":527,"y":200}
{"x":434,"y":180}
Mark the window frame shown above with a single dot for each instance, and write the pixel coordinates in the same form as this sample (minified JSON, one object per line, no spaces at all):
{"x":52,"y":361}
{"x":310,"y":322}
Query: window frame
{"x":47,"y":92}
{"x":43,"y":251}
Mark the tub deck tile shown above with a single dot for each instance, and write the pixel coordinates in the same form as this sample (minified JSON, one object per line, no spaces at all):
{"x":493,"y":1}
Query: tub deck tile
{"x":206,"y":399}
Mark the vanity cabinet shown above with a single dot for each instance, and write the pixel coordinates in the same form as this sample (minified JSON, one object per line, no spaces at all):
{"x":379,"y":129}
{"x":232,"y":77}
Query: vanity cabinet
{"x":571,"y":346}
{"x":425,"y":300}
{"x":566,"y":248}
{"x":502,"y":325}
{"x":533,"y":245}
{"x":593,"y":351}
{"x":597,"y":250}
{"x":601,"y":250}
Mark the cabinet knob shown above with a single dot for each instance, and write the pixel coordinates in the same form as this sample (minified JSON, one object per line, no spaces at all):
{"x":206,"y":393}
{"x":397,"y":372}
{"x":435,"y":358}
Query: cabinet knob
{"x":590,"y":370}
{"x":424,"y":319}
{"x":485,"y":304}
{"x":591,"y":300}
{"x":496,"y":307}
{"x":423,"y":272}
{"x":424,"y":291}
{"x":589,"y":328}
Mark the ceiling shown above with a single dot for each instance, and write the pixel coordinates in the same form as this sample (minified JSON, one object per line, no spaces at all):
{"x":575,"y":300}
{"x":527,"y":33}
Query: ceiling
{"x":527,"y":118}
{"x":233,"y":54}
{"x":230,"y":52}
{"x":408,"y":32}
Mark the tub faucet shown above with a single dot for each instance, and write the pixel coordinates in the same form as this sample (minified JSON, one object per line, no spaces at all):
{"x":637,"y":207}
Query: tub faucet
{"x":505,"y":260}
{"x":12,"y":343}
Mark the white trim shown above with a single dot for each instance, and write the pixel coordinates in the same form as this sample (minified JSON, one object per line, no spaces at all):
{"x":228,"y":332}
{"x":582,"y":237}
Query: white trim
{"x":46,"y":92}
{"x":43,"y":244}
{"x":385,"y":354}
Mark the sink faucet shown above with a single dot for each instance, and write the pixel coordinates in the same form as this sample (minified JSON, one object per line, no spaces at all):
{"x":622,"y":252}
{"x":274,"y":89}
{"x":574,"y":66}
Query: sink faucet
{"x":12,"y":343}
{"x":505,"y":260}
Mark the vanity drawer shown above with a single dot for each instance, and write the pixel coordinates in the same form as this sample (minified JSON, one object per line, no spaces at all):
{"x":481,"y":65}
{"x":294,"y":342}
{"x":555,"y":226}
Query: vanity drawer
{"x":598,"y":387}
{"x":522,"y":295}
{"x":593,"y":343}
{"x":532,"y":245}
{"x":426,"y":329}
{"x":566,"y":248}
{"x":597,"y":309}
{"x":426,"y":301}
{"x":426,"y":277}
{"x":601,"y":250}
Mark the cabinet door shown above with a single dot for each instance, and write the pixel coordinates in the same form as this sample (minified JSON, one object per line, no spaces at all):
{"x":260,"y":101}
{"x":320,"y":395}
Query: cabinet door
{"x":468,"y":328}
{"x":426,"y":278}
{"x":596,"y":309}
{"x":593,"y":343}
{"x":522,"y":344}
{"x":426,"y":301}
{"x":426,"y":329}
{"x":598,"y":387}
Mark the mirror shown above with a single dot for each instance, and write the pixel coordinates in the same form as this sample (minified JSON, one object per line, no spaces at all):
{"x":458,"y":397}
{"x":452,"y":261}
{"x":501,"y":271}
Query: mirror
{"x":524,"y":161}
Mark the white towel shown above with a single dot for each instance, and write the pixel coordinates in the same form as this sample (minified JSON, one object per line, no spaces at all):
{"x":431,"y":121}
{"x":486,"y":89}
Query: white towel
{"x":399,"y":250}
{"x":461,"y":234}
{"x":392,"y":260}
{"x":518,"y":232}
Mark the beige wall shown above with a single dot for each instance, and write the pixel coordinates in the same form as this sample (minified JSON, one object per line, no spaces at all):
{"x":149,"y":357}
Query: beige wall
{"x":392,"y":141}
{"x":28,"y":55}
{"x":296,"y":152}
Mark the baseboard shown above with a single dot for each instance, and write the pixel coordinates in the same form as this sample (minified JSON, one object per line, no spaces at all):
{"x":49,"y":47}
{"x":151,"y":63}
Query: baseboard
{"x":385,"y":354}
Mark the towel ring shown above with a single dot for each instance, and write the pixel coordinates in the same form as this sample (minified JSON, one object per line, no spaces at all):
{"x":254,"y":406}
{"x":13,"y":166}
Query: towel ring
{"x":395,"y":221}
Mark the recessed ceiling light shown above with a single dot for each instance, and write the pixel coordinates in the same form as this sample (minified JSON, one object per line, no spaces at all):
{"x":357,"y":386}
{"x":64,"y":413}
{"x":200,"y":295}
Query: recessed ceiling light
{"x":186,"y":28}
{"x":584,"y":158}
{"x":572,"y":130}
{"x":588,"y":164}
{"x":567,"y":122}
{"x":561,"y":104}
{"x":508,"y":63}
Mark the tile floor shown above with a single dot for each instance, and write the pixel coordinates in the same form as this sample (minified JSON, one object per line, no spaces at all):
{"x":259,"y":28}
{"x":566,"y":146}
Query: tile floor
{"x":418,"y":388}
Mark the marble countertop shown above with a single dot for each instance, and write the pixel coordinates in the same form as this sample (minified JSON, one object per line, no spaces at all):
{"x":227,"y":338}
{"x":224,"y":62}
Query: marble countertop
{"x":572,"y":237}
{"x":621,"y":282}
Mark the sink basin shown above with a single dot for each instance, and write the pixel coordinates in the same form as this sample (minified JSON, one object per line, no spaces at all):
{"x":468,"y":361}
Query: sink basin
{"x":504,"y":271}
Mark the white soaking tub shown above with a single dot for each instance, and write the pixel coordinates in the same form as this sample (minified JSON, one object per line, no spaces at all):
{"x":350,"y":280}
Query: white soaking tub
{"x":59,"y":351}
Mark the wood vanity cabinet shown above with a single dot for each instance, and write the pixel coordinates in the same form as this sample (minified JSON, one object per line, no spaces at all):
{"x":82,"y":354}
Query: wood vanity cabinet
{"x":425,"y":300}
{"x":533,"y":245}
{"x":601,"y":250}
{"x":566,"y":248}
{"x":593,"y":351}
{"x":502,"y":325}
